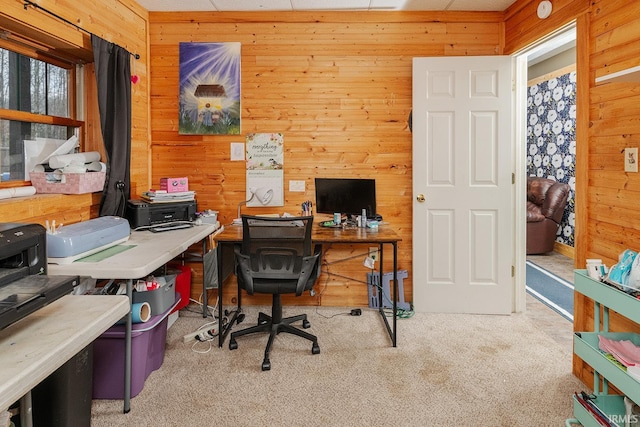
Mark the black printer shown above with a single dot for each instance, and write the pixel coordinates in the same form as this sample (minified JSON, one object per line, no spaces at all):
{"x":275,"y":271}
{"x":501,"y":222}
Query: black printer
{"x":143,"y":214}
{"x":24,"y":285}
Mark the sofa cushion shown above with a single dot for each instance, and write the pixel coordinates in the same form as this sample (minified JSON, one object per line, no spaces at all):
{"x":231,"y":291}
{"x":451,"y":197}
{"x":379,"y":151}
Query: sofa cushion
{"x":537,"y":190}
{"x":534,"y":213}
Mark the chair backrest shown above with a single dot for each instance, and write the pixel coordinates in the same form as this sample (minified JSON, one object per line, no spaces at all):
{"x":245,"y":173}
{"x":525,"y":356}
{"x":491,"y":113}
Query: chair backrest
{"x":276,"y":246}
{"x":290,"y":232}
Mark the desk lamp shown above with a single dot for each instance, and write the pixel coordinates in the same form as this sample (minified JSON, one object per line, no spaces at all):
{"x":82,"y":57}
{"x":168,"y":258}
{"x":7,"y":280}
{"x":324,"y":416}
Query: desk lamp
{"x":263,"y":194}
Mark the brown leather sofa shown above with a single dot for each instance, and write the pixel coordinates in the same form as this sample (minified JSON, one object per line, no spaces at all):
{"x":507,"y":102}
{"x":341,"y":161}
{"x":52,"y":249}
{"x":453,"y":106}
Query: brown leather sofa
{"x":546,"y":200}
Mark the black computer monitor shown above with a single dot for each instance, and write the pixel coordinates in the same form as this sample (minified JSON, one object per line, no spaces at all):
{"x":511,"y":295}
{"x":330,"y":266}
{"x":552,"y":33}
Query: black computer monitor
{"x":346,"y":195}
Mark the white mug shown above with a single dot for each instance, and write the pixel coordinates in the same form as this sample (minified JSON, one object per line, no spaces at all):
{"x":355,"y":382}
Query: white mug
{"x":595,"y":269}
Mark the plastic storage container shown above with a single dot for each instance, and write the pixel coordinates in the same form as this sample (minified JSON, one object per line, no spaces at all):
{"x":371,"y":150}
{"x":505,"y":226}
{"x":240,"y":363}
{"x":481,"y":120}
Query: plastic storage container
{"x":147,"y":354}
{"x":183,"y":286}
{"x":159,"y":299}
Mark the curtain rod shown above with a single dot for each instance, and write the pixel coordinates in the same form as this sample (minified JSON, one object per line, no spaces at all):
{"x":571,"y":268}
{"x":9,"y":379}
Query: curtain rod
{"x":28,"y":3}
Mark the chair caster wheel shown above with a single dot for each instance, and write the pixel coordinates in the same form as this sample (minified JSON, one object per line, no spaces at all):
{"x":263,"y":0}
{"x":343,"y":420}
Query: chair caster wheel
{"x":266,"y":365}
{"x":240,"y":318}
{"x":315,"y":349}
{"x":306,"y":324}
{"x":233,"y":344}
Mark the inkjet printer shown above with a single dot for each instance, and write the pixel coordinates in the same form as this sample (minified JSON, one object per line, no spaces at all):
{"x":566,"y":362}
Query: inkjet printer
{"x":143,"y":214}
{"x":24,"y":285}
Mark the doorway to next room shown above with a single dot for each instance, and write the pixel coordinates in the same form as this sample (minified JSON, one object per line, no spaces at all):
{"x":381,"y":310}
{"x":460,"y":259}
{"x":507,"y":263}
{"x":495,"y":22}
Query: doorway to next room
{"x":550,"y":153}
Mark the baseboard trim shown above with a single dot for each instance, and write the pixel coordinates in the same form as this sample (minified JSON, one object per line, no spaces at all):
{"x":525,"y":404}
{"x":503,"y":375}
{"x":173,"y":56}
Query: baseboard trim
{"x":566,"y":250}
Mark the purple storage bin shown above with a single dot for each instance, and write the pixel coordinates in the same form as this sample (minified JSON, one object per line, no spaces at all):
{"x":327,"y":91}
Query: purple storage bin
{"x":148,"y":342}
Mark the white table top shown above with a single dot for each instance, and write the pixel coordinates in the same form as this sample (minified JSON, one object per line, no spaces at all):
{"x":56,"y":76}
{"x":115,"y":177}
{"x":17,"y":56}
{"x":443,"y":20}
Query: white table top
{"x":151,"y":251}
{"x":34,"y":347}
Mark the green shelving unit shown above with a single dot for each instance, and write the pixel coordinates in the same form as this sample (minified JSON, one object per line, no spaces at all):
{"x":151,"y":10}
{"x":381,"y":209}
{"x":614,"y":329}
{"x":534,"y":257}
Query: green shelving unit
{"x":585,"y":345}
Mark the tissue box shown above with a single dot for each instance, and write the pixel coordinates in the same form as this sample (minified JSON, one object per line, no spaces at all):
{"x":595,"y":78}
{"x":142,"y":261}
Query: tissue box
{"x":72,"y":183}
{"x":174,"y":185}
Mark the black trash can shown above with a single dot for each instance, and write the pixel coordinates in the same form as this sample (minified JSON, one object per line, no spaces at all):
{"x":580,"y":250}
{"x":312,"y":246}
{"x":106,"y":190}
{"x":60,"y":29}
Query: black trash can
{"x":64,"y":398}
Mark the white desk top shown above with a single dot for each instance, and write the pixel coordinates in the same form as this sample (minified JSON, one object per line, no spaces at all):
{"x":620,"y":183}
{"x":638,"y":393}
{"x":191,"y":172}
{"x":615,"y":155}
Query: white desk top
{"x":151,"y":251}
{"x":34,"y":347}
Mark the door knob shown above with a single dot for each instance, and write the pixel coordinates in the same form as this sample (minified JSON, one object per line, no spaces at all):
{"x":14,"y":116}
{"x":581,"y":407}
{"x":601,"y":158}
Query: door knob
{"x":420,"y":198}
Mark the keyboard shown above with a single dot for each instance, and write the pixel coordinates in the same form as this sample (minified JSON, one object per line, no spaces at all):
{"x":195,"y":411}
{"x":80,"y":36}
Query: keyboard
{"x":167,"y":227}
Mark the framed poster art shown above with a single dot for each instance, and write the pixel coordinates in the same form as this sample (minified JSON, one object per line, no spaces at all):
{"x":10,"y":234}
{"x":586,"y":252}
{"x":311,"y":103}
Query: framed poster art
{"x":209,"y":88}
{"x":265,"y":174}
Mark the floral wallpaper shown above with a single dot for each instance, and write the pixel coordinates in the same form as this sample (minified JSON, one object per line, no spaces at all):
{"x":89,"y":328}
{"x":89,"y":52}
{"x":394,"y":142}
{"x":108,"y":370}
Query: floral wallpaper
{"x":551,"y":140}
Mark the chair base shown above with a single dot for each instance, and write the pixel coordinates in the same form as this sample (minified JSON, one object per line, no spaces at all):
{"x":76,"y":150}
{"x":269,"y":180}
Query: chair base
{"x":275,"y":324}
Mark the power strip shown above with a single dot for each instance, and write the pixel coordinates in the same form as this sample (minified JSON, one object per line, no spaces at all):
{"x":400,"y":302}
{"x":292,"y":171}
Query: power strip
{"x":192,"y":336}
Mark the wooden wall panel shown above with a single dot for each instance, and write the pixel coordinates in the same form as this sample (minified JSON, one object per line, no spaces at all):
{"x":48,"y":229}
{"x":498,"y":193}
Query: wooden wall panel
{"x":608,"y":217}
{"x":523,"y":27}
{"x":338,"y":86}
{"x":98,"y":17}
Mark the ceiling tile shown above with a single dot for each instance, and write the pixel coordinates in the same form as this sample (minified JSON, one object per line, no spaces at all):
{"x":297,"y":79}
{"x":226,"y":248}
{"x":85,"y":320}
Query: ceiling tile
{"x":329,"y":4}
{"x":484,"y":5}
{"x":172,"y":5}
{"x":409,"y":4}
{"x":299,"y":5}
{"x":251,"y":5}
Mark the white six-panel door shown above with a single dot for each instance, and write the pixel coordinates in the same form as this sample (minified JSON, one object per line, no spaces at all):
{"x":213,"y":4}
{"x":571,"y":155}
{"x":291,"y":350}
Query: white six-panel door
{"x":463,"y":228}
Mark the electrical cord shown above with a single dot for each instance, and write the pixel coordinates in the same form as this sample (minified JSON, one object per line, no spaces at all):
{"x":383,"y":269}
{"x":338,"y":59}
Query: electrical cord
{"x":122,"y":200}
{"x":400,"y":313}
{"x":210,"y":309}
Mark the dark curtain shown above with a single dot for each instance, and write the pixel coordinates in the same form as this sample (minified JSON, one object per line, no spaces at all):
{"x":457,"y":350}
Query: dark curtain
{"x":113,"y":77}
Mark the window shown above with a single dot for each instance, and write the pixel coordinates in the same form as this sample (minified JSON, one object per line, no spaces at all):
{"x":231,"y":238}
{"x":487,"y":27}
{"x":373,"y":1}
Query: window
{"x":36,"y":102}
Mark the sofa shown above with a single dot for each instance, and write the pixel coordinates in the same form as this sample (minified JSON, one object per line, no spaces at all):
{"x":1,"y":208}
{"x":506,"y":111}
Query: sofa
{"x":546,"y":201}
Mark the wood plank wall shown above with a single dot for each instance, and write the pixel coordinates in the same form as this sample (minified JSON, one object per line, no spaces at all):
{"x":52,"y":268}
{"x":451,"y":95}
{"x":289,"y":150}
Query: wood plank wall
{"x":608,"y":40}
{"x":338,"y":86}
{"x":613,"y":196}
{"x":130,"y":32}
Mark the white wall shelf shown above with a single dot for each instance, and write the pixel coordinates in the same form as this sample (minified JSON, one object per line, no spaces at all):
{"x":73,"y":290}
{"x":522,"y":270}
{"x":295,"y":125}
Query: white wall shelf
{"x":628,"y":75}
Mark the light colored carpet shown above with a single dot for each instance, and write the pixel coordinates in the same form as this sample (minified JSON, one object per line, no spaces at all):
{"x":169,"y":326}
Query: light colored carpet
{"x":447,"y":370}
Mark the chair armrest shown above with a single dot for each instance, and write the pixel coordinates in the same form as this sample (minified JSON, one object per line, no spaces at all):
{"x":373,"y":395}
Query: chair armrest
{"x":243,"y":271}
{"x":310,"y":270}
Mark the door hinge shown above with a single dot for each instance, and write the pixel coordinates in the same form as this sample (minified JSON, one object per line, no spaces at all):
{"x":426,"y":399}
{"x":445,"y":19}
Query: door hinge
{"x":513,"y":271}
{"x":513,"y":178}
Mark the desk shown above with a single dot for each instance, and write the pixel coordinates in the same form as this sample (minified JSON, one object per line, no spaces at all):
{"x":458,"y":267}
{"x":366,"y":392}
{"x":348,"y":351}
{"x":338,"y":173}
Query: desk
{"x":149,"y":252}
{"x":35,"y":346}
{"x":232,"y":235}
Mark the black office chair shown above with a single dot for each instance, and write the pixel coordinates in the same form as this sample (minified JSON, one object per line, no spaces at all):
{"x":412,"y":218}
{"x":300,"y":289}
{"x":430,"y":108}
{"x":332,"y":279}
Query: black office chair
{"x":275,"y":258}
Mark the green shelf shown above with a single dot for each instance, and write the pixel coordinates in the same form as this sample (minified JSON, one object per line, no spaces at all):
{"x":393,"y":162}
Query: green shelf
{"x":585,"y":346}
{"x":619,"y":301}
{"x":611,"y":405}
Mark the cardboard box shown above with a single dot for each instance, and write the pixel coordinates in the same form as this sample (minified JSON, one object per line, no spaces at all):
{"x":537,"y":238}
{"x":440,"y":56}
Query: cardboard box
{"x":72,"y":183}
{"x":174,"y":185}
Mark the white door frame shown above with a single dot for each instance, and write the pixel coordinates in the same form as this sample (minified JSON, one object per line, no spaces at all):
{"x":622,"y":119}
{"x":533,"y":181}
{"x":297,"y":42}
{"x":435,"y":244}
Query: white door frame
{"x":520,"y":153}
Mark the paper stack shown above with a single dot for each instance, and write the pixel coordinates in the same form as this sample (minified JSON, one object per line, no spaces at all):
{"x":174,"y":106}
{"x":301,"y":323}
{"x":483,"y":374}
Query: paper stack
{"x":162,"y":196}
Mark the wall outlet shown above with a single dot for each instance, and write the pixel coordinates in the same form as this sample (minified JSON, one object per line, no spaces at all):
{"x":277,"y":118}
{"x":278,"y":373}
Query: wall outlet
{"x":373,"y":253}
{"x":631,"y":159}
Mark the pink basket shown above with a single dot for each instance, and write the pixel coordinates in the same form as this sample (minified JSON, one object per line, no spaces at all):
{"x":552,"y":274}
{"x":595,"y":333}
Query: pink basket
{"x":72,"y":183}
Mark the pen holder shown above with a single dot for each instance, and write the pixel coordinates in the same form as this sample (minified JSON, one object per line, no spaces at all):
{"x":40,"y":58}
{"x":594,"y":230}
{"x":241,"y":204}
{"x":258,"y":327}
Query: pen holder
{"x":307,"y":213}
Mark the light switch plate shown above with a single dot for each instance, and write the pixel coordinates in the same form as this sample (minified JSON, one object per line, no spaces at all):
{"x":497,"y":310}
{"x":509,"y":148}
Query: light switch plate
{"x":237,"y":151}
{"x":296,"y":186}
{"x":631,"y":159}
